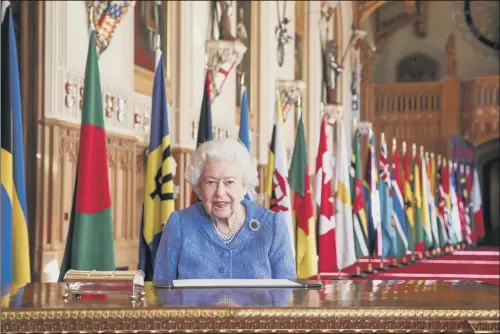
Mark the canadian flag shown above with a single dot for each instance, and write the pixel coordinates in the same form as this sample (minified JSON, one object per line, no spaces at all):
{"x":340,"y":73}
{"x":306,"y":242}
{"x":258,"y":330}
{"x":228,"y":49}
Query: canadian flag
{"x":324,"y":201}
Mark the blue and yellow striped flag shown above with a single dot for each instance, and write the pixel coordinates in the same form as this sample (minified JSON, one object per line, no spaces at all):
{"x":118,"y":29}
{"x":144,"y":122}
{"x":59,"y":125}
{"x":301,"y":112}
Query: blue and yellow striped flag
{"x":14,"y":238}
{"x":159,"y":192}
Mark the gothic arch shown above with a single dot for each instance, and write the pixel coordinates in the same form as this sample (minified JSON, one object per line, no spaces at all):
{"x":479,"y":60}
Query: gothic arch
{"x":417,"y":67}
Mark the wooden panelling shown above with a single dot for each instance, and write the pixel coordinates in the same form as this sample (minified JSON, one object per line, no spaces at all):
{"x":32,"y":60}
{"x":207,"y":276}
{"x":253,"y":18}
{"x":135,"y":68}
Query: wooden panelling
{"x":428,"y":113}
{"x":481,"y":109}
{"x":57,"y":171}
{"x":183,"y":158}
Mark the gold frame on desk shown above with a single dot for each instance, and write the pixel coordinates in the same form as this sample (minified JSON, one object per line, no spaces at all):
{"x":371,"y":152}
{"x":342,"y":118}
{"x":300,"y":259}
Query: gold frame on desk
{"x":250,"y":319}
{"x":254,"y":67}
{"x":143,"y":78}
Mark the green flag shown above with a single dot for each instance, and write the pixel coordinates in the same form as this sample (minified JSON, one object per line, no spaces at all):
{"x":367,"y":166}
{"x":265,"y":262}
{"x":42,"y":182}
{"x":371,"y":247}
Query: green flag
{"x":90,"y":243}
{"x":306,"y":251}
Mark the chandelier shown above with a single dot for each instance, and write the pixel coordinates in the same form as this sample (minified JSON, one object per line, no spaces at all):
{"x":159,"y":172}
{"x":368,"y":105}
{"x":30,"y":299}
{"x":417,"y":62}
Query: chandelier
{"x":478,"y":22}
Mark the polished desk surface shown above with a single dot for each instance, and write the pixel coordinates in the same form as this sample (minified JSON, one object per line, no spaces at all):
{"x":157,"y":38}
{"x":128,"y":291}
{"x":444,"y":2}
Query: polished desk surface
{"x":339,"y":305}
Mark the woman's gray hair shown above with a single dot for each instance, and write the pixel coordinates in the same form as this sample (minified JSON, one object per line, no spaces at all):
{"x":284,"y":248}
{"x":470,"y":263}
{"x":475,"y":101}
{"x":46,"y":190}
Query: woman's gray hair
{"x":225,"y":149}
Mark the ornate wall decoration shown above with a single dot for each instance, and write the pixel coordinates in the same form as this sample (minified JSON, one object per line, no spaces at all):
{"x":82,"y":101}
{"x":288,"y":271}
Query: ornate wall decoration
{"x":224,"y":52}
{"x":70,"y":97}
{"x":223,"y":56}
{"x":281,"y":33}
{"x":119,"y":106}
{"x":290,"y":91}
{"x":107,"y":16}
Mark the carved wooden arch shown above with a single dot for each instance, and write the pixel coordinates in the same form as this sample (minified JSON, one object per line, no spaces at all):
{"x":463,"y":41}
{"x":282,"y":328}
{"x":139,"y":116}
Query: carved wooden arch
{"x":363,"y":9}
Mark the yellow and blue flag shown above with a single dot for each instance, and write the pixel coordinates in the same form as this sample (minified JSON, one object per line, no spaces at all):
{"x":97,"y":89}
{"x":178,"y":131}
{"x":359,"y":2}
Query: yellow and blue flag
{"x":14,"y":238}
{"x":244,"y":134}
{"x":159,"y":193}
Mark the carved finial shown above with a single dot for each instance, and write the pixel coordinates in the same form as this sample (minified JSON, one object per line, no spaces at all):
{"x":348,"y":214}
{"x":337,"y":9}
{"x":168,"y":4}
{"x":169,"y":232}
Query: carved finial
{"x":404,"y":146}
{"x":242,"y":79}
{"x":393,"y":141}
{"x":382,"y":137}
{"x":432,"y":155}
{"x":158,"y":42}
{"x":91,"y":17}
{"x":421,"y":149}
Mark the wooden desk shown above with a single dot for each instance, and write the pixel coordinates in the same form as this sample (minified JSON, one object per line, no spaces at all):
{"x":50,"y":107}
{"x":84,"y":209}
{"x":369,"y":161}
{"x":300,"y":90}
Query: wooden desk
{"x":365,"y":306}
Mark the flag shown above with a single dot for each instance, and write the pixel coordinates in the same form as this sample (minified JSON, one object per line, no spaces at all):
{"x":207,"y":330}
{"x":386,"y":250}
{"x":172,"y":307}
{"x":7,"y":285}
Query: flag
{"x":470,"y":210}
{"x":90,"y":243}
{"x":344,"y":233}
{"x":360,"y":223}
{"x":159,"y":185}
{"x":477,"y":206}
{"x":426,"y":215}
{"x":408,"y":199}
{"x":417,"y":193}
{"x":455,"y":211}
{"x":398,"y":213}
{"x":389,"y":244}
{"x":452,"y":238}
{"x":431,"y":175}
{"x":244,"y":134}
{"x":205,"y":131}
{"x":442,"y":215}
{"x":277,"y":186}
{"x":327,"y":249}
{"x":15,"y":259}
{"x":307,"y":258}
{"x":372,"y":198}
{"x":465,"y":204}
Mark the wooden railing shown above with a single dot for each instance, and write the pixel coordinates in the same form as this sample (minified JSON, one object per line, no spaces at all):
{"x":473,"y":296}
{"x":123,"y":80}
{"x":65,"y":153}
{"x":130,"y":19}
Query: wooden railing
{"x":408,"y":111}
{"x":427,"y":113}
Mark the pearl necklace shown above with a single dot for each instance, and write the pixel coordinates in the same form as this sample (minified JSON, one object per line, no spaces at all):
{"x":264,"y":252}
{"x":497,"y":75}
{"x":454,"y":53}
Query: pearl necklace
{"x":232,"y":232}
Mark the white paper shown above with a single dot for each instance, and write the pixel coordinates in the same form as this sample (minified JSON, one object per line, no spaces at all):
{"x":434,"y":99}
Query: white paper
{"x":222,"y":283}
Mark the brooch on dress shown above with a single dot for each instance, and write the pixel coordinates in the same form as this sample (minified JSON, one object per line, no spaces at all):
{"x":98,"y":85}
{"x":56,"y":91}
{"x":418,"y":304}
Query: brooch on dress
{"x":254,"y":225}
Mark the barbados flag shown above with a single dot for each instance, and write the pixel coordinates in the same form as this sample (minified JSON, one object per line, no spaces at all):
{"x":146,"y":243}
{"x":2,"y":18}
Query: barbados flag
{"x":14,"y":238}
{"x":159,"y":195}
{"x":244,"y":134}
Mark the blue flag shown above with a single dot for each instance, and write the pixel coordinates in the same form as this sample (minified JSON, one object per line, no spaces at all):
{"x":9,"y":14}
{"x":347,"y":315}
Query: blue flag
{"x":14,"y":239}
{"x":244,"y":135}
{"x":159,"y":192}
{"x":389,"y":244}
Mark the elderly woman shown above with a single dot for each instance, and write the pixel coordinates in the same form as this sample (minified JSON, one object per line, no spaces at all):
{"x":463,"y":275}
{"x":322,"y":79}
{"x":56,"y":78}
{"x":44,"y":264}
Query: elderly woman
{"x":223,"y":235}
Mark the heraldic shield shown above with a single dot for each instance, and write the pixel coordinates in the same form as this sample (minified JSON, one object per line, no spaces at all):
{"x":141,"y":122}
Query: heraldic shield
{"x":222,"y":57}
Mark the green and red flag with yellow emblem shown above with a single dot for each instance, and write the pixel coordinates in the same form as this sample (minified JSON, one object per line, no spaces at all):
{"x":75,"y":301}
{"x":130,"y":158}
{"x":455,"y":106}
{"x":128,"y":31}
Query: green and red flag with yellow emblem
{"x":90,"y":243}
{"x":307,"y":258}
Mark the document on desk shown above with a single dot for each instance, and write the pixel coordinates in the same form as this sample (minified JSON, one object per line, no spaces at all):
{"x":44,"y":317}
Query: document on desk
{"x":235,"y":283}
